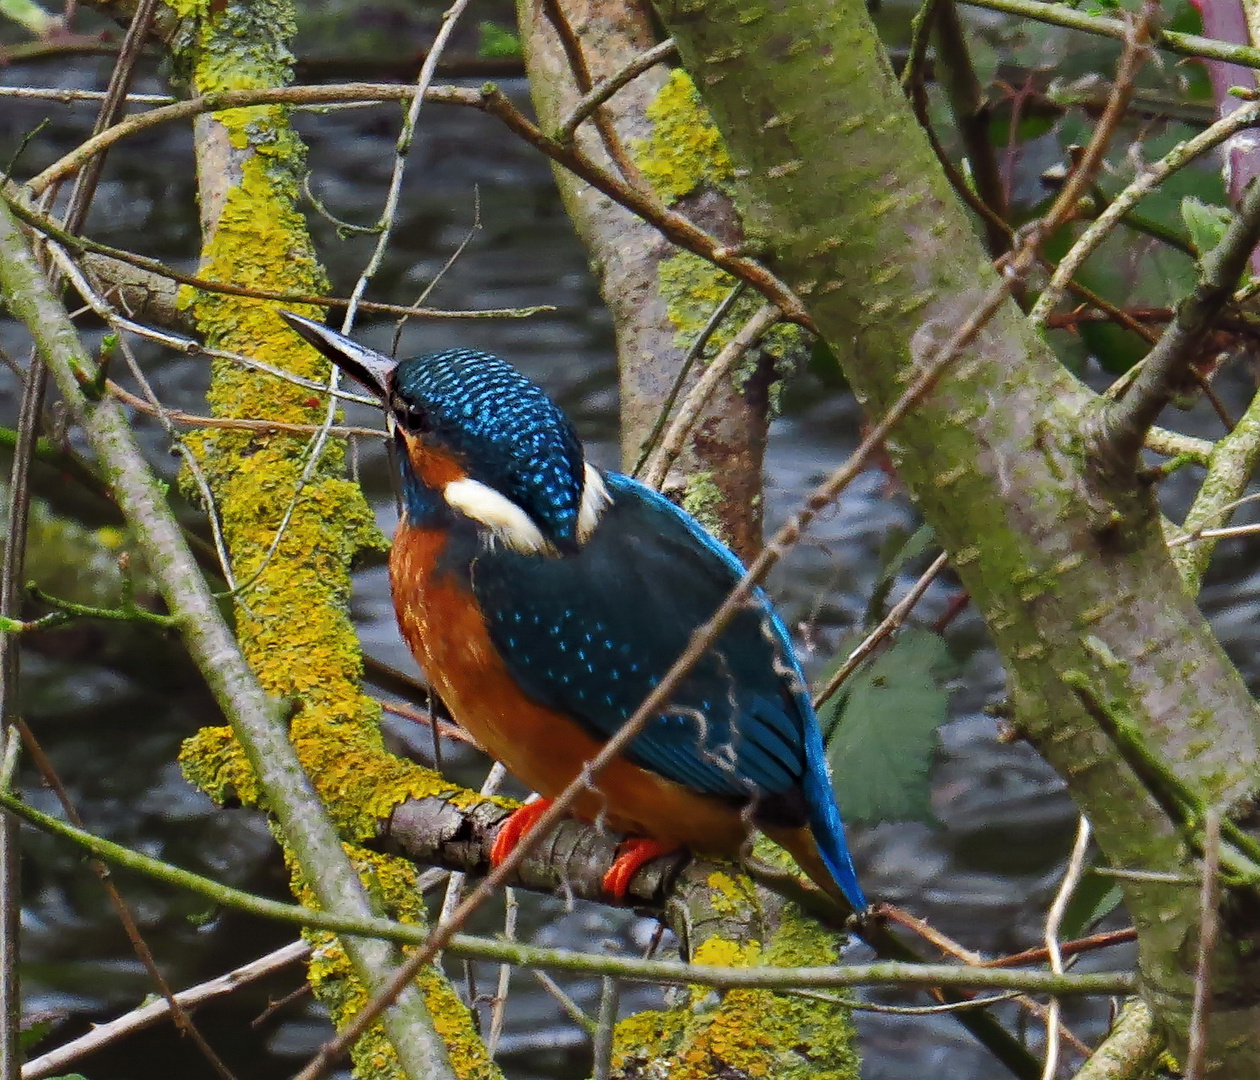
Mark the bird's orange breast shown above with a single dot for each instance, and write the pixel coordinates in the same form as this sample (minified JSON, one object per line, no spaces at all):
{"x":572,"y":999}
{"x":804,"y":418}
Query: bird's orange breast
{"x":545,"y":749}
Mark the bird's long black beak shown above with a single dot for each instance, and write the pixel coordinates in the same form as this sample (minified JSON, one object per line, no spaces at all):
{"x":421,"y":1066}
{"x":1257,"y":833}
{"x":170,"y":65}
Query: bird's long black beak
{"x":362,"y":364}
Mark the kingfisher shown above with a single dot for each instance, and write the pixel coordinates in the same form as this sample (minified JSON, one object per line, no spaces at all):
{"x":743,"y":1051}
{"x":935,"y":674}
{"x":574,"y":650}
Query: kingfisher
{"x":545,"y":598}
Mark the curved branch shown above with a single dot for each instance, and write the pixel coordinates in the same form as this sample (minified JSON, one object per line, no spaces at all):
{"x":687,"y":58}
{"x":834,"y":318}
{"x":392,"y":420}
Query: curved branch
{"x":1126,"y":422}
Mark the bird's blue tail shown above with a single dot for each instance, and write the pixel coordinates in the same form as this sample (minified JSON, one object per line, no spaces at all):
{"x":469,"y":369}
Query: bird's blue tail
{"x":825,"y":822}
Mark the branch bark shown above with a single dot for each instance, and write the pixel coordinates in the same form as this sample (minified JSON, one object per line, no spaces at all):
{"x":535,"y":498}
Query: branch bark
{"x":659,"y":297}
{"x":1070,"y":580}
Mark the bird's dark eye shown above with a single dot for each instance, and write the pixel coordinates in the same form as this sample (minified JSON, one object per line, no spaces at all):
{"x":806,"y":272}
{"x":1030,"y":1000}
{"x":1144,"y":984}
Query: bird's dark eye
{"x":410,"y":417}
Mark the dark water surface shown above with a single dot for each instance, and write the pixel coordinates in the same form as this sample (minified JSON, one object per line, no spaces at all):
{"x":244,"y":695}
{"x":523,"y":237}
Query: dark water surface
{"x":984,"y":874}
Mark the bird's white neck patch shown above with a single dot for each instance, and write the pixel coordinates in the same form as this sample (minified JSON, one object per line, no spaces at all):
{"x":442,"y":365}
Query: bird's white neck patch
{"x":506,"y":521}
{"x":510,"y":525}
{"x":595,"y":500}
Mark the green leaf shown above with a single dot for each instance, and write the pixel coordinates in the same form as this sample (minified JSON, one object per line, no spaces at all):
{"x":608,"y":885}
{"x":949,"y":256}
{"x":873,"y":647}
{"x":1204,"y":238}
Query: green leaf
{"x":1205,"y":222}
{"x":1094,"y":898}
{"x":496,"y":43}
{"x":883,"y":730}
{"x":893,"y":559}
{"x":34,"y":1032}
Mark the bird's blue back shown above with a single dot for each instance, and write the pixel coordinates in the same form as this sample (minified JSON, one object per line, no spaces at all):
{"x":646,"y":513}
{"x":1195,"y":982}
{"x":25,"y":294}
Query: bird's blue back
{"x":592,"y":633}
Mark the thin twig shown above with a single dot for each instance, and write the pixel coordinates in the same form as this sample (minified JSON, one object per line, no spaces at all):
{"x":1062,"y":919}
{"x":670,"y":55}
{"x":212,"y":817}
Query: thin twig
{"x":451,"y":260}
{"x":389,"y":211}
{"x":11,"y":581}
{"x":694,"y":352}
{"x":571,"y":1007}
{"x":671,"y":224}
{"x":1209,"y":925}
{"x":1172,"y":41}
{"x":68,"y":96}
{"x":693,"y":405}
{"x":1075,"y":947}
{"x":674,"y":226}
{"x":572,"y":46}
{"x":1125,"y":422}
{"x":605,"y":88}
{"x":498,"y":1010}
{"x":1054,"y":920}
{"x":110,"y":316}
{"x":421,"y":716}
{"x":891,"y":622}
{"x":950,"y":947}
{"x":238,"y":423}
{"x":1137,"y":50}
{"x":972,"y":116}
{"x":1150,"y":179}
{"x":606,"y":1021}
{"x":154,"y":266}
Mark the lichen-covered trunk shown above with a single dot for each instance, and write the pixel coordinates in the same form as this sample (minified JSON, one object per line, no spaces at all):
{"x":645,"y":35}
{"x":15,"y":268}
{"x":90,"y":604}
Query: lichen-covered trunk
{"x":1075,"y":583}
{"x":291,"y":606}
{"x":659,"y":297}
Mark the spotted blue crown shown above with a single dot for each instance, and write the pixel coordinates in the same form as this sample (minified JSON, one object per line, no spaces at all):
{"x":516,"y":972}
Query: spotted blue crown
{"x":503,"y":429}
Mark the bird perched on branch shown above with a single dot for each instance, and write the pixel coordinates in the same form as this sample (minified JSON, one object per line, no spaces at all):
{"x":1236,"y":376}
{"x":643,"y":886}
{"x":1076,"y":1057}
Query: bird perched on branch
{"x":544,"y":599}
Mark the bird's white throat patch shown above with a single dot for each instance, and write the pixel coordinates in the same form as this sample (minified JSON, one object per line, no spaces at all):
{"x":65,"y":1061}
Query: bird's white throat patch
{"x":510,"y":525}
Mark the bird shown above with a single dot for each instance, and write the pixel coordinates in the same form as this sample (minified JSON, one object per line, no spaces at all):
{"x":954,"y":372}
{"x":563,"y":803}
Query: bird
{"x":544,"y":599}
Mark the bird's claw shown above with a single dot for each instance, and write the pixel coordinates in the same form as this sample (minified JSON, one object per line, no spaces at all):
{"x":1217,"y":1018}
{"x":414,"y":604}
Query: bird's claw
{"x":514,"y":828}
{"x":632,"y":854}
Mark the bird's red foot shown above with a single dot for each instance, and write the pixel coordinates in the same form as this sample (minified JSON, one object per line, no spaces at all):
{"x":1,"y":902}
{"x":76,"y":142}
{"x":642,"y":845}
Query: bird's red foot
{"x":514,"y":827}
{"x":631,"y":855}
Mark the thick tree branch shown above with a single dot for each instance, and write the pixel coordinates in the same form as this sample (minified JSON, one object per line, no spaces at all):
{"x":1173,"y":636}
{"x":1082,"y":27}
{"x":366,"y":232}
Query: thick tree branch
{"x":866,"y":228}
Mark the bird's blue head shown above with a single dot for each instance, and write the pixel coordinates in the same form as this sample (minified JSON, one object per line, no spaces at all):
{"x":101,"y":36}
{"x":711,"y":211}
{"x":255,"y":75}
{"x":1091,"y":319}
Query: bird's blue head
{"x":477,"y":439}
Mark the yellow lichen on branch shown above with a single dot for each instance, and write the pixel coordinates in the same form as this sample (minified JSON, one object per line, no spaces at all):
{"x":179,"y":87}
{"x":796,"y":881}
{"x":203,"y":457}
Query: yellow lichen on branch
{"x":392,"y":883}
{"x":291,"y":607}
{"x":685,"y":149}
{"x":682,"y":158}
{"x":751,"y":1033}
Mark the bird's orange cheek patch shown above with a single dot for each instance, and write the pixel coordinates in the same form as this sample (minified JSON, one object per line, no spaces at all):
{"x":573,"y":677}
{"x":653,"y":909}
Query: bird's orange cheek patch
{"x":434,"y":466}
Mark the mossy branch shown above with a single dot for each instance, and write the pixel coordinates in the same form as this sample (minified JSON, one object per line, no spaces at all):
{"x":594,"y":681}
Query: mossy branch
{"x":254,"y":718}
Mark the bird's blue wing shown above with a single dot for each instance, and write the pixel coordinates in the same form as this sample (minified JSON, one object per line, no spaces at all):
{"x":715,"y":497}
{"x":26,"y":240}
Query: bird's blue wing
{"x":592,"y":633}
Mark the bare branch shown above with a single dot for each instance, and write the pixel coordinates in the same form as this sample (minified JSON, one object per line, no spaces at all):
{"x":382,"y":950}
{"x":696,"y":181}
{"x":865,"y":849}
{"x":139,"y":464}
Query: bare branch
{"x":605,"y":88}
{"x":102,"y":1035}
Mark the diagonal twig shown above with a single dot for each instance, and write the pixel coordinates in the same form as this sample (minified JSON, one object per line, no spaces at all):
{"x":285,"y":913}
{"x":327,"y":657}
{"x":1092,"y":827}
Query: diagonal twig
{"x":1125,"y":422}
{"x":701,"y":640}
{"x":1209,"y":925}
{"x":153,"y":1012}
